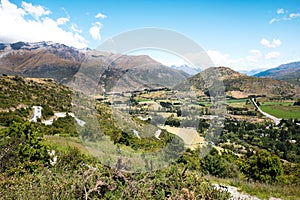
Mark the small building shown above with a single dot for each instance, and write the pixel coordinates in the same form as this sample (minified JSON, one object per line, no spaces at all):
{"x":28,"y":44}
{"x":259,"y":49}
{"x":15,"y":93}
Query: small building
{"x":37,"y":113}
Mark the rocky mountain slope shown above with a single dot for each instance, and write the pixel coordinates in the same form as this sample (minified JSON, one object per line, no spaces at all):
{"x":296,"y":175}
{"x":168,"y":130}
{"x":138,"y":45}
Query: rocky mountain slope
{"x":85,"y":68}
{"x":116,"y":73}
{"x":40,"y":60}
{"x":288,"y":72}
{"x":239,"y":85}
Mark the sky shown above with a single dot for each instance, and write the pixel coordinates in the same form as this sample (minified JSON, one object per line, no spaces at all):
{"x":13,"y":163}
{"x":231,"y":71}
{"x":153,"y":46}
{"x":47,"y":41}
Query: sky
{"x":243,"y":35}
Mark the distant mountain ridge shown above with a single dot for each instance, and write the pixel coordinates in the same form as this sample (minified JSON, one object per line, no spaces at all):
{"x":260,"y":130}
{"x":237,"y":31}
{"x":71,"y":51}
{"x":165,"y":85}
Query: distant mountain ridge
{"x":190,"y":70}
{"x":251,"y":72}
{"x":288,"y":72}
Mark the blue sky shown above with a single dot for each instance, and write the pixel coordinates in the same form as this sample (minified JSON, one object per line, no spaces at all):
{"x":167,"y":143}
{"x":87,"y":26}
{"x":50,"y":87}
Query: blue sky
{"x":243,"y":35}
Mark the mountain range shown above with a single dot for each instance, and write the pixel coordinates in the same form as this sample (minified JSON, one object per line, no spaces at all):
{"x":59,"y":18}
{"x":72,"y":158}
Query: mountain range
{"x":86,"y":67}
{"x":89,"y":70}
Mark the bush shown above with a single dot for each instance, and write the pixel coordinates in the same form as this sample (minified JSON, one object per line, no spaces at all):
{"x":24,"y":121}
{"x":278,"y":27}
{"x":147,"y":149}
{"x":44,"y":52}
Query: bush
{"x":263,"y":166}
{"x":216,"y":165}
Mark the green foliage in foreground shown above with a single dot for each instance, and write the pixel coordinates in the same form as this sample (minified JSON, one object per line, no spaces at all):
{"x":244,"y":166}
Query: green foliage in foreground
{"x":20,"y":145}
{"x":74,"y":178}
{"x":27,"y":174}
{"x":78,"y":176}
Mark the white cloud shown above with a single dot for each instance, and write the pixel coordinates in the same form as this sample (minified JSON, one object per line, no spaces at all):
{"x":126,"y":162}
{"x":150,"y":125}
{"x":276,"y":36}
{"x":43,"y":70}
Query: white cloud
{"x":100,"y":15}
{"x":62,"y":20}
{"x":255,"y":51}
{"x":294,"y":15}
{"x":35,"y":11}
{"x":218,"y":58}
{"x":280,"y":11}
{"x":272,"y":55}
{"x":284,"y":16}
{"x":255,"y":56}
{"x":266,"y":43}
{"x":18,"y":28}
{"x":75,"y":28}
{"x":221,"y":59}
{"x":95,"y":31}
{"x":274,"y":20}
{"x":255,"y":59}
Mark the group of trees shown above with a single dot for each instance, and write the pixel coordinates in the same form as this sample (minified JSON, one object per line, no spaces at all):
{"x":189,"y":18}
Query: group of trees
{"x":280,"y":140}
{"x":262,"y":166}
{"x":259,"y":166}
{"x":240,"y":111}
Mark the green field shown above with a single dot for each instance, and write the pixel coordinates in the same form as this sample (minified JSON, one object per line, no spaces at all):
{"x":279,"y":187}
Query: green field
{"x":282,"y":111}
{"x":236,"y":100}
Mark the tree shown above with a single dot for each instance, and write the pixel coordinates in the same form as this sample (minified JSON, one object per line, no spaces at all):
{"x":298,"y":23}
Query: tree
{"x":219,"y":165}
{"x":174,"y":149}
{"x":263,"y":166}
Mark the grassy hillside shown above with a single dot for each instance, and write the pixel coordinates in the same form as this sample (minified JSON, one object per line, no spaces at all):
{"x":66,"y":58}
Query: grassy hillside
{"x":19,"y":92}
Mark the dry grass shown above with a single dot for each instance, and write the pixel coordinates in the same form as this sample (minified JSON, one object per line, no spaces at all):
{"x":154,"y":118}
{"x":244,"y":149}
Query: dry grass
{"x":190,"y":136}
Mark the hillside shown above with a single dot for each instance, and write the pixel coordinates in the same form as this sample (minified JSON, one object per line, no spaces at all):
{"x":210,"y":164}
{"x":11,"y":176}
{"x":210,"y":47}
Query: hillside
{"x":17,"y":92}
{"x":239,"y":85}
{"x":288,"y":72}
{"x":61,"y":63}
